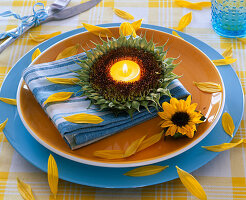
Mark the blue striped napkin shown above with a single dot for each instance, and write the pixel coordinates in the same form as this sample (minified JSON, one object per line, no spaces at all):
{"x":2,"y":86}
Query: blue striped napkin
{"x":78,"y":135}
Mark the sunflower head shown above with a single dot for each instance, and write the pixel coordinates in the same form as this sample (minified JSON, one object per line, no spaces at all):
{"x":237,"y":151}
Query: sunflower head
{"x":180,"y":117}
{"x":100,"y":87}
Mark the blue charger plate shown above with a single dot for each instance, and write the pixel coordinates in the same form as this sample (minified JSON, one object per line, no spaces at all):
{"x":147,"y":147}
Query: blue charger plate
{"x":37,"y":154}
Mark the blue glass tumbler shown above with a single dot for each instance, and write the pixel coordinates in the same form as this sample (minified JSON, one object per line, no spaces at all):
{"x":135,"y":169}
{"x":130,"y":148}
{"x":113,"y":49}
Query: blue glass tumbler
{"x":229,"y":17}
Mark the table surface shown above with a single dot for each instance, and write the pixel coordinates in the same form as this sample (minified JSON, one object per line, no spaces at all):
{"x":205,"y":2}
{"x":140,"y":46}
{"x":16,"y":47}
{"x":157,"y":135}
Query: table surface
{"x":222,"y":178}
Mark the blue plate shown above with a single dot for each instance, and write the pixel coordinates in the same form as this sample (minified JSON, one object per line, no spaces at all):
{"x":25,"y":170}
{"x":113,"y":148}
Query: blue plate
{"x":79,"y":173}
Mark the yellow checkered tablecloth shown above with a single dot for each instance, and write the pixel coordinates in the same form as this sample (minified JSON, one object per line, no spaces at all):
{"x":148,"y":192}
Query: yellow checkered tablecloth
{"x":222,"y":178}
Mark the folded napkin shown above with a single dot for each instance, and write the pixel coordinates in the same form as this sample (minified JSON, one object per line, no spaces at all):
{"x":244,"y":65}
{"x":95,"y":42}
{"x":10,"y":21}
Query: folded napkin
{"x":78,"y":135}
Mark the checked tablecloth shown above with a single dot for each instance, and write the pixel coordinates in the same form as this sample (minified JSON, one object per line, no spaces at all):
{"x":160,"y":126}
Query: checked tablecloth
{"x":222,"y":178}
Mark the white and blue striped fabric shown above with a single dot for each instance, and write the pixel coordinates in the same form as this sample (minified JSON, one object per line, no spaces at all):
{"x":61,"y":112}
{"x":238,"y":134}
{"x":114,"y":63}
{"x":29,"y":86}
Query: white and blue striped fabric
{"x":78,"y":135}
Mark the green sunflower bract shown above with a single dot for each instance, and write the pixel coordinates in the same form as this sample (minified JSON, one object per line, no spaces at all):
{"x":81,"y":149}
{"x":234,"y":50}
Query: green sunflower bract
{"x":98,"y":85}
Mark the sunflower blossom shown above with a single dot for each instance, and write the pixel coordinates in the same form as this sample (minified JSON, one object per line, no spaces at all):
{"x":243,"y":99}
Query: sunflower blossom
{"x":180,"y":116}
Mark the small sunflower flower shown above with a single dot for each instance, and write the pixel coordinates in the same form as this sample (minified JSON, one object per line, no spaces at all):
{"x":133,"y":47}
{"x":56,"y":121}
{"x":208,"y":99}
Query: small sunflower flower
{"x":180,"y":116}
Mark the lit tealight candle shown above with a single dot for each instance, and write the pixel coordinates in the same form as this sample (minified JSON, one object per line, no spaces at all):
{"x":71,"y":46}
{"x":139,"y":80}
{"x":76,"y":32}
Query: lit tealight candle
{"x":126,"y":71}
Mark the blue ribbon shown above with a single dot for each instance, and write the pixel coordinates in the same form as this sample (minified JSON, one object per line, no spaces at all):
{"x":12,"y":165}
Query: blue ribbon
{"x":38,"y":16}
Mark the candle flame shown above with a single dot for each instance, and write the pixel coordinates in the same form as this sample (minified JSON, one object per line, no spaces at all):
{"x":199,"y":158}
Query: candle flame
{"x":125,"y":68}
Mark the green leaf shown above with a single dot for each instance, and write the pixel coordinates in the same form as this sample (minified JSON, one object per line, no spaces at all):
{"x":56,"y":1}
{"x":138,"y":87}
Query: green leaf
{"x":136,"y":104}
{"x":145,"y":104}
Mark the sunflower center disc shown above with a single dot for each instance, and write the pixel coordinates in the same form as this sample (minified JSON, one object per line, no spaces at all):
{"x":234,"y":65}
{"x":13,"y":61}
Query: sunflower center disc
{"x":180,"y":118}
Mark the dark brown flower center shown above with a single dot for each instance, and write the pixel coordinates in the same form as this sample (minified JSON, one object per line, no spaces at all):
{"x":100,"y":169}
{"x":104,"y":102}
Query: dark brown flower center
{"x":180,"y":119}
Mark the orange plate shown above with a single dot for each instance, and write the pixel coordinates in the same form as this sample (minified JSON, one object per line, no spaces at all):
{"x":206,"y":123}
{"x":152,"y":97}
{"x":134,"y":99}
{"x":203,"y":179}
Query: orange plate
{"x":195,"y":66}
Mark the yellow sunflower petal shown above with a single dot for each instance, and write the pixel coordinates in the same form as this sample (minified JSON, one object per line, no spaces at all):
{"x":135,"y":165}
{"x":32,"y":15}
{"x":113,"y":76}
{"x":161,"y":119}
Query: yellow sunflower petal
{"x":192,"y":125}
{"x":204,"y":3}
{"x":208,"y":87}
{"x":195,"y":116}
{"x":190,"y":134}
{"x":225,"y":61}
{"x":171,"y":130}
{"x":52,"y":175}
{"x":174,"y":102}
{"x":184,"y":21}
{"x":195,"y":6}
{"x":197,"y":120}
{"x":109,"y":154}
{"x":2,"y":125}
{"x":228,"y":124}
{"x":150,"y":141}
{"x":192,"y":107}
{"x":165,"y":115}
{"x":127,"y":29}
{"x":69,"y":81}
{"x":176,"y":34}
{"x":99,"y":31}
{"x":137,"y":24}
{"x":228,"y":52}
{"x":35,"y":54}
{"x":190,"y":131}
{"x":25,"y":190}
{"x":182,"y":130}
{"x":166,"y":123}
{"x":84,"y":118}
{"x":223,"y":146}
{"x":182,"y":104}
{"x":188,"y":100}
{"x":133,"y":147}
{"x":41,"y":38}
{"x":123,"y":14}
{"x":8,"y":101}
{"x":145,"y":170}
{"x":59,"y":96}
{"x":168,"y":108}
{"x":162,"y":115}
{"x":191,"y":184}
{"x":69,"y":51}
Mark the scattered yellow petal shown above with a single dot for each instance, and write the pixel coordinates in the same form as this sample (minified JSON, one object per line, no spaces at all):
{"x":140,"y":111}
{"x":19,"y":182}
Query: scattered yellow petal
{"x":243,"y":40}
{"x":2,"y":125}
{"x":176,"y":34}
{"x":191,"y":184}
{"x":146,"y":170}
{"x":53,"y":175}
{"x":123,"y":14}
{"x":195,"y":6}
{"x":127,"y":29}
{"x":223,"y":146}
{"x":35,"y":54}
{"x":8,"y":101}
{"x":133,"y":147}
{"x":99,"y":31}
{"x":109,"y":154}
{"x":137,"y":24}
{"x":84,"y":118}
{"x":204,"y":4}
{"x":227,"y":52}
{"x":150,"y":141}
{"x":69,"y":81}
{"x":25,"y":190}
{"x":136,"y":146}
{"x":69,"y":51}
{"x":208,"y":87}
{"x":184,"y":21}
{"x":41,"y":38}
{"x":59,"y":96}
{"x":228,"y":124}
{"x":225,"y":61}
